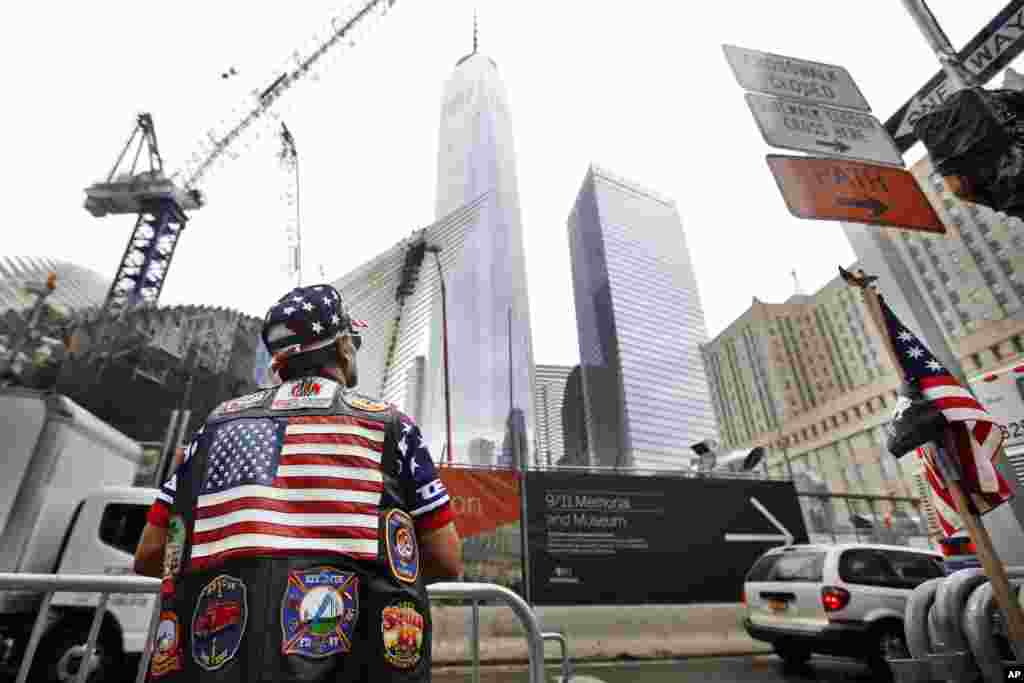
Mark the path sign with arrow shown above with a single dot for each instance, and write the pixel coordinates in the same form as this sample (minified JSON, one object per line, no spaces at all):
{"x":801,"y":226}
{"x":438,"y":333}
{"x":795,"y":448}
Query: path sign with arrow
{"x":807,"y":127}
{"x":835,"y":189}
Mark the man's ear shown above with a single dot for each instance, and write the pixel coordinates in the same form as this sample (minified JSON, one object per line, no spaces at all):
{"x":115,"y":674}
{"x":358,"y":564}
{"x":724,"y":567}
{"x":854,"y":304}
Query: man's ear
{"x":346,"y":359}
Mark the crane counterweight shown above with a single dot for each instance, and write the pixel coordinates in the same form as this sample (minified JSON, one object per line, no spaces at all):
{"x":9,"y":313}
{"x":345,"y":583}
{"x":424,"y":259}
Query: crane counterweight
{"x":132,"y":193}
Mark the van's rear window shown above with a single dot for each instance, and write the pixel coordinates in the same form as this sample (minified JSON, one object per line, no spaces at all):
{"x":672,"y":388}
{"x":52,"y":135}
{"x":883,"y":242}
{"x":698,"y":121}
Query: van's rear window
{"x":789,"y":566}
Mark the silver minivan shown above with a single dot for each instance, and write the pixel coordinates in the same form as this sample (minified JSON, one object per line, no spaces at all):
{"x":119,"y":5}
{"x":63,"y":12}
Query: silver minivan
{"x":843,"y":600}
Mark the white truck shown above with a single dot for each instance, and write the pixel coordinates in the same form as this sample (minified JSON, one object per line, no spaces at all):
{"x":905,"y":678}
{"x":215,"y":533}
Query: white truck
{"x":67,"y":507}
{"x":1001,"y":391}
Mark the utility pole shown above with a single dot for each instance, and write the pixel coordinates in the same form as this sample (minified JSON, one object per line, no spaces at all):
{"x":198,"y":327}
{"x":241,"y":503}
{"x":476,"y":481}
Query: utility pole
{"x":868,"y":241}
{"x":959,"y":77}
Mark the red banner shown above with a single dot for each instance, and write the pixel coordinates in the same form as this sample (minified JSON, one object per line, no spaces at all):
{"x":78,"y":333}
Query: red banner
{"x":482,"y":500}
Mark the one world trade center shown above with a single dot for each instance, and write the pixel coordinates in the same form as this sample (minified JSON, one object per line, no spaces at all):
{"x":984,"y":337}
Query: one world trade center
{"x":490,"y":348}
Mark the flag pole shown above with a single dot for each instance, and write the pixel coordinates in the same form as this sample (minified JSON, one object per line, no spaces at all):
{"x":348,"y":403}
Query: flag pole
{"x":990,"y":561}
{"x":946,"y":456}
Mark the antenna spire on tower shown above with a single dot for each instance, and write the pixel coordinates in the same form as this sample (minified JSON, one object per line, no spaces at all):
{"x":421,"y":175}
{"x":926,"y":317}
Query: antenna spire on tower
{"x":796,"y":283}
{"x":474,"y":31}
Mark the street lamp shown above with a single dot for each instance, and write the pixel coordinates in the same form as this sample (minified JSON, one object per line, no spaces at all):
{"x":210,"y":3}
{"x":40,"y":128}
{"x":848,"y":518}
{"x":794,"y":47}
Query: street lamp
{"x":435,"y":250}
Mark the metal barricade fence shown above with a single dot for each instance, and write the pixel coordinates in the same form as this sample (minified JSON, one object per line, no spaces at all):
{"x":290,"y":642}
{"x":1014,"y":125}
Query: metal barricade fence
{"x":487,"y":591}
{"x":48,"y":584}
{"x":950,"y":630}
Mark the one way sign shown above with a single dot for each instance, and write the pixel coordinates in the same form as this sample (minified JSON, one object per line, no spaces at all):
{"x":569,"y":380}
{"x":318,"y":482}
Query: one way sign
{"x":985,"y":56}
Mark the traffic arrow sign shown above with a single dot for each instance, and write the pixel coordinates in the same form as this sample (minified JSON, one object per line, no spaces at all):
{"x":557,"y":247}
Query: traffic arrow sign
{"x":785,"y":536}
{"x":807,"y":127}
{"x":986,"y":55}
{"x":835,"y":189}
{"x":875,"y":206}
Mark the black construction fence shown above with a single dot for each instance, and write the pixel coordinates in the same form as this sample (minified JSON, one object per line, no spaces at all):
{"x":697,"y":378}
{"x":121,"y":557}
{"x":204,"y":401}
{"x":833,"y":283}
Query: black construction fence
{"x":634,"y":537}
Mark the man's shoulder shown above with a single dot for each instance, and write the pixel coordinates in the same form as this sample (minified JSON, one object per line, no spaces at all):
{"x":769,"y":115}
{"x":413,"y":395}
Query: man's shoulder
{"x":366,"y":404}
{"x":249,"y":401}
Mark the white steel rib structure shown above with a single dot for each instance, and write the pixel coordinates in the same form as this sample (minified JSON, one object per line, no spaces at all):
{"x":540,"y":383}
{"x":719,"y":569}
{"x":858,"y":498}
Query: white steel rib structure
{"x":398,"y":334}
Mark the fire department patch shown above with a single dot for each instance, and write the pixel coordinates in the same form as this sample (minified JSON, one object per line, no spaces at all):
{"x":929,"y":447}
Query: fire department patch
{"x":167,"y":657}
{"x":309,"y":392}
{"x":174,"y":547}
{"x":319,"y":612}
{"x":365,"y":404}
{"x":403,"y":553}
{"x":218,"y":622}
{"x":239,"y":404}
{"x":402,"y":630}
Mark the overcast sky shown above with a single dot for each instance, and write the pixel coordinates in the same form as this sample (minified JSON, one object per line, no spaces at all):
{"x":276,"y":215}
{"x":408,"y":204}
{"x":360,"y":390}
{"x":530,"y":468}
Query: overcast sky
{"x":641,"y":88}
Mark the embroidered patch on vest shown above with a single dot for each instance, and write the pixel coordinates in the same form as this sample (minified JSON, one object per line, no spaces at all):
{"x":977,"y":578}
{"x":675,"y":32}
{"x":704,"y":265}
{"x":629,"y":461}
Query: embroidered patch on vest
{"x":319,"y":612}
{"x":218,"y":623}
{"x":174,"y":547}
{"x":402,"y":629}
{"x":241,"y":403}
{"x":167,"y":656}
{"x":309,"y":392}
{"x":365,"y":404}
{"x":403,"y":552}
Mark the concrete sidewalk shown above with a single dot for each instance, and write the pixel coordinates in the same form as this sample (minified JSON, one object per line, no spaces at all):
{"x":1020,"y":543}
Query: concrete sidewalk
{"x":601,"y":632}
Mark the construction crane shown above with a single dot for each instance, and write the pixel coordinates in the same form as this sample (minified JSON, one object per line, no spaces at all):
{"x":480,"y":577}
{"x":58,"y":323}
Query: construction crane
{"x":159,"y":205}
{"x":160,"y":202}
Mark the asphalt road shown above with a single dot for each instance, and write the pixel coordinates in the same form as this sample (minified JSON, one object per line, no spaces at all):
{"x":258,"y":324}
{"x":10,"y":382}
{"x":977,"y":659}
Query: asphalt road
{"x":759,"y":669}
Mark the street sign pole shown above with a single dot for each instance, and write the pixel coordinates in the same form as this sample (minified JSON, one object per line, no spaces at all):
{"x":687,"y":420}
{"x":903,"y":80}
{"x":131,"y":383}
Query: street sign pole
{"x":988,"y":53}
{"x":958,"y":77}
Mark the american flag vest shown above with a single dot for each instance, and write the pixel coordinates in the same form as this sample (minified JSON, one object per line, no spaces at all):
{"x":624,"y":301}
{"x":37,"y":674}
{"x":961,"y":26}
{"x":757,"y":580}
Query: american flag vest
{"x":284,"y":476}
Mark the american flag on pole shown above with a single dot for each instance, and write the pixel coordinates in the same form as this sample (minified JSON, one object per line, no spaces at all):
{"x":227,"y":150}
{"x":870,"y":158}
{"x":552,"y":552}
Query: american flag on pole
{"x":276,"y":485}
{"x":977,"y":435}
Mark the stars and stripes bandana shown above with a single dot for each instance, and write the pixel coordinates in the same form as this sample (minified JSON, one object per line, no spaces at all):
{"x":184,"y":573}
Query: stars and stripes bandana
{"x":276,"y":485}
{"x":314,"y":315}
{"x":977,"y":435}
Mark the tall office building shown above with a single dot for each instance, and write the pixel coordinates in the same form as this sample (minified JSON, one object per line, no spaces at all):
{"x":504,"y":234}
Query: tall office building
{"x":576,"y":449}
{"x":561,"y":419}
{"x":549,"y":397}
{"x":640,"y":325}
{"x":971,"y":278}
{"x":489,"y":340}
{"x":777,"y":362}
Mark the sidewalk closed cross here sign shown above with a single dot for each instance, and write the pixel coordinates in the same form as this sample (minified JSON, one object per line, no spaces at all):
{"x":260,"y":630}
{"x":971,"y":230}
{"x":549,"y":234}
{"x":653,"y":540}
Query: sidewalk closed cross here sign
{"x":840,"y":190}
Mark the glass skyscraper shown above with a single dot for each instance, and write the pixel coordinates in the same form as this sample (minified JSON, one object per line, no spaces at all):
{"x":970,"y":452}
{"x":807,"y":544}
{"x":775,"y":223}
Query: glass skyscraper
{"x":489,"y":341}
{"x":640,"y":327}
